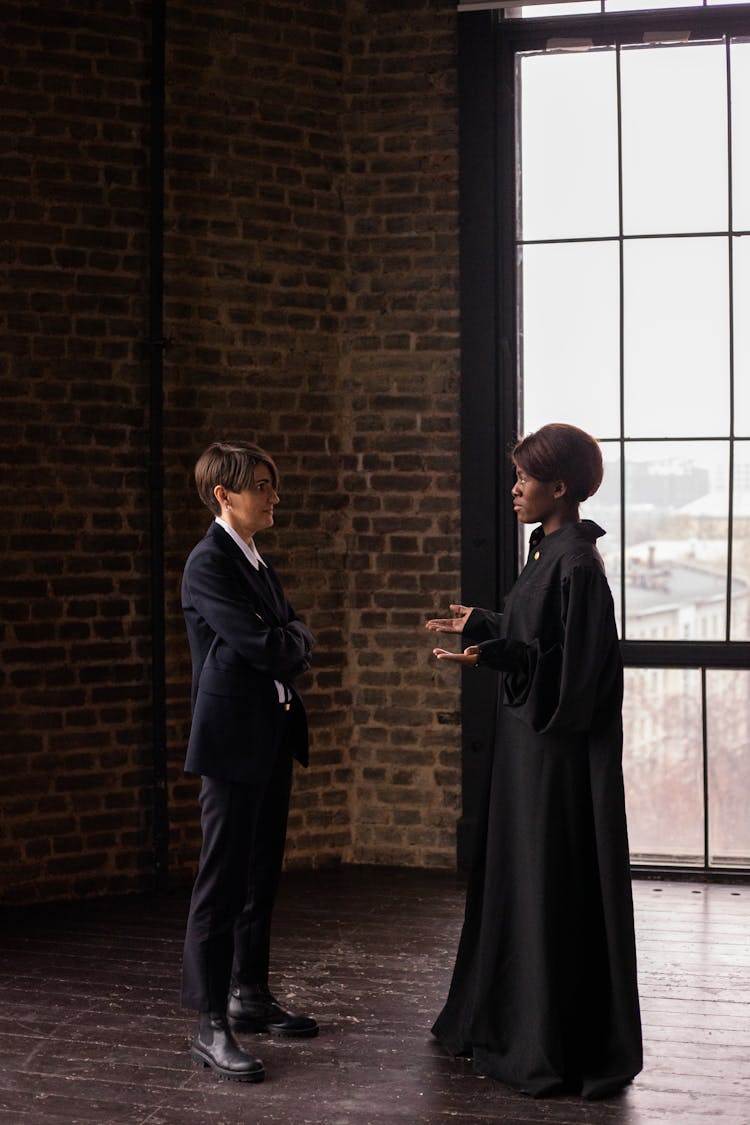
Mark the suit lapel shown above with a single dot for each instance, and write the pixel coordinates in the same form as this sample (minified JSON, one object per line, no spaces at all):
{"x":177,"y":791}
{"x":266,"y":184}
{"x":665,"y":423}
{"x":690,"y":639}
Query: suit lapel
{"x":271,"y":582}
{"x":264,"y":588}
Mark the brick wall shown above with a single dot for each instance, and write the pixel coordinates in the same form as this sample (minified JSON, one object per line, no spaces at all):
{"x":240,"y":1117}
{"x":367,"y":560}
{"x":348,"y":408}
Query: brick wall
{"x":256,"y":293}
{"x":402,"y":450}
{"x":311,"y":294}
{"x":75,"y":807}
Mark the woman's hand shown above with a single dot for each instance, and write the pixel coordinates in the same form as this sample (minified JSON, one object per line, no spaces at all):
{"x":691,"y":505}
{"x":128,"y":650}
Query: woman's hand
{"x":451,"y":624}
{"x":468,"y":657}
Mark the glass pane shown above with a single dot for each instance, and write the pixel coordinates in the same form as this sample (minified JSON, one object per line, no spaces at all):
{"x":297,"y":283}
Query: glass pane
{"x":676,"y":322}
{"x":740,"y":56}
{"x":640,"y":5}
{"x":728,"y":738}
{"x":674,"y":139}
{"x":740,"y":625}
{"x":535,"y":11}
{"x":663,"y":764}
{"x":604,"y":508}
{"x":741,"y":299}
{"x":570,"y":353}
{"x":676,"y":515}
{"x":568,"y":131}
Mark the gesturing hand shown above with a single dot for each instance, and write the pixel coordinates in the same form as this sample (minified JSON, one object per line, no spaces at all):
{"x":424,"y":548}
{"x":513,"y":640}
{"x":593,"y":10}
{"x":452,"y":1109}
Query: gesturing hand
{"x":468,"y":657}
{"x":451,"y":624}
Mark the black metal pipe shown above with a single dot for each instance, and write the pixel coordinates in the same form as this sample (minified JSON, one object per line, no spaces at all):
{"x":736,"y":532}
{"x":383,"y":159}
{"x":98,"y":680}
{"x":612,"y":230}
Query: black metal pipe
{"x":157,"y":344}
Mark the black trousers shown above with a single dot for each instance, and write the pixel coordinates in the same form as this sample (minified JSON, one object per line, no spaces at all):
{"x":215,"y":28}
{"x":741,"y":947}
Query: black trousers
{"x":229,"y":923}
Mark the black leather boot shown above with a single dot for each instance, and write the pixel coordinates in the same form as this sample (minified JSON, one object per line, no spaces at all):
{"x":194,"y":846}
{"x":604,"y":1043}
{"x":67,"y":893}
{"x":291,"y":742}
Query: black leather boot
{"x":214,"y":1045}
{"x":255,"y":1009}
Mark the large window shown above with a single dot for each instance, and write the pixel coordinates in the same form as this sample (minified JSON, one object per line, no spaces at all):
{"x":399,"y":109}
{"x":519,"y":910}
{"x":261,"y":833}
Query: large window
{"x":624,"y":258}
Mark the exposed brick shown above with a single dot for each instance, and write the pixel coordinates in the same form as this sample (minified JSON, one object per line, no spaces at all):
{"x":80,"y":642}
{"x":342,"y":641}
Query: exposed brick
{"x":311,"y":293}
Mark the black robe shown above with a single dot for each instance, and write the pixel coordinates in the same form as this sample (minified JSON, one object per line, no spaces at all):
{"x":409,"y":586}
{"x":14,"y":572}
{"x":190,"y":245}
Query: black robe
{"x":544,"y":993}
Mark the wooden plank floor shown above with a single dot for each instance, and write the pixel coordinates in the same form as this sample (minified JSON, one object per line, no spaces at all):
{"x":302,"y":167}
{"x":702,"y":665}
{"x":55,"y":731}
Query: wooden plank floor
{"x":90,"y":1030}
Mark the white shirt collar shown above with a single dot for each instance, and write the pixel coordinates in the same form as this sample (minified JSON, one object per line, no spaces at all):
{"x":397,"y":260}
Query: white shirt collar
{"x":249,"y":550}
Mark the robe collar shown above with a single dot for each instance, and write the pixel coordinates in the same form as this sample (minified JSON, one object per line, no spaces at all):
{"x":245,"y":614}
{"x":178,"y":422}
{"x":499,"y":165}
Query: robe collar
{"x":585,"y":529}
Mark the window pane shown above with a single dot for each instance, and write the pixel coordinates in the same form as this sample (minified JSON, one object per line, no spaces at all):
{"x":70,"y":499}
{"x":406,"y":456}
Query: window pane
{"x":740,"y":56}
{"x":674,"y":139}
{"x":676,"y":540}
{"x":728,"y":731}
{"x":741,"y":299}
{"x":536,"y":11}
{"x":568,"y":130}
{"x":570,"y":336}
{"x":676,"y":322}
{"x":639,"y":5}
{"x":662,"y":763}
{"x":740,"y":628}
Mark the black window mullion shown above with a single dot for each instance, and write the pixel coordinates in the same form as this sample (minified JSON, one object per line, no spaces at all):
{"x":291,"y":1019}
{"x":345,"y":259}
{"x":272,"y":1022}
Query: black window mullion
{"x":730,"y":261}
{"x":704,"y":744}
{"x":623,"y":567}
{"x":621,"y":237}
{"x":686,"y":654}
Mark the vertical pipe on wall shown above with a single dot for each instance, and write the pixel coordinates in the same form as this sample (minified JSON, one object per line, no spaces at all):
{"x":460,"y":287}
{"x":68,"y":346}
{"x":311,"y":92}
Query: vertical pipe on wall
{"x":157,"y":344}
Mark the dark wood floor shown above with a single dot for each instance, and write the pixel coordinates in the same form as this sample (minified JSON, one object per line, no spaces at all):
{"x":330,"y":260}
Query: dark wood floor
{"x":90,"y":1030}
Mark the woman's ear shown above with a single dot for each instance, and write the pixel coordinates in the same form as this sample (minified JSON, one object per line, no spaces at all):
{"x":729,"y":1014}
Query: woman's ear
{"x":561,"y":489}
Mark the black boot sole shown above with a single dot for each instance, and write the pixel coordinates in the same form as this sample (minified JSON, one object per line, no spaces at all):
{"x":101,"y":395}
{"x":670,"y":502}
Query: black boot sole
{"x":231,"y":1075}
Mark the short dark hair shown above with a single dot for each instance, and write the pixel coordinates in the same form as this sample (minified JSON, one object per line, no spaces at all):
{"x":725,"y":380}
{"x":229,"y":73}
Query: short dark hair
{"x":231,"y":464}
{"x":562,"y":452}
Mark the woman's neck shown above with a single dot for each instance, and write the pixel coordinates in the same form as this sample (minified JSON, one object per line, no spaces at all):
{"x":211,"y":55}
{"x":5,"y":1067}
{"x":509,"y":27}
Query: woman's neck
{"x":560,"y":519}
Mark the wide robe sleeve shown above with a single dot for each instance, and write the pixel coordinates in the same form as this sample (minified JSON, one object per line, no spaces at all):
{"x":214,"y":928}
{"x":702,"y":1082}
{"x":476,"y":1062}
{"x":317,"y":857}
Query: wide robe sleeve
{"x":555,"y":682}
{"x":482,"y":625}
{"x":280,"y":650}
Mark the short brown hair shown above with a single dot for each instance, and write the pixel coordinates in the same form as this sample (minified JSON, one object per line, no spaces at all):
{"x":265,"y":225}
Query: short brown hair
{"x":231,"y":464}
{"x":562,"y":452}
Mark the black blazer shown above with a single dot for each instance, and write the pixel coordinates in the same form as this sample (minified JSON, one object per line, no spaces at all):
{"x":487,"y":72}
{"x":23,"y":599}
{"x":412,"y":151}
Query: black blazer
{"x":243,"y":635}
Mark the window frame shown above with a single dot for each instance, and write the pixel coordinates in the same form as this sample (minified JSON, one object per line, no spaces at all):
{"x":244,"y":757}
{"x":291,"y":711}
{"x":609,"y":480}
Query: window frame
{"x":487,"y":49}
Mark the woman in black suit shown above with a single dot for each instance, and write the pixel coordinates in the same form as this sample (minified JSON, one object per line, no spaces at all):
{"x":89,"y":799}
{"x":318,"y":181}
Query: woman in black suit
{"x":248,"y":723}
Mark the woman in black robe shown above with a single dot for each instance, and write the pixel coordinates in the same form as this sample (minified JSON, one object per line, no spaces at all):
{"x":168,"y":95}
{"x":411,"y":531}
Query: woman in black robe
{"x":544,"y":992}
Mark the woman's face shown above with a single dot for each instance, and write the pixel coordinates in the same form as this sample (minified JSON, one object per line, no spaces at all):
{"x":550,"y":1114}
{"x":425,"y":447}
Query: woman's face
{"x":251,"y":510}
{"x":537,"y":501}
